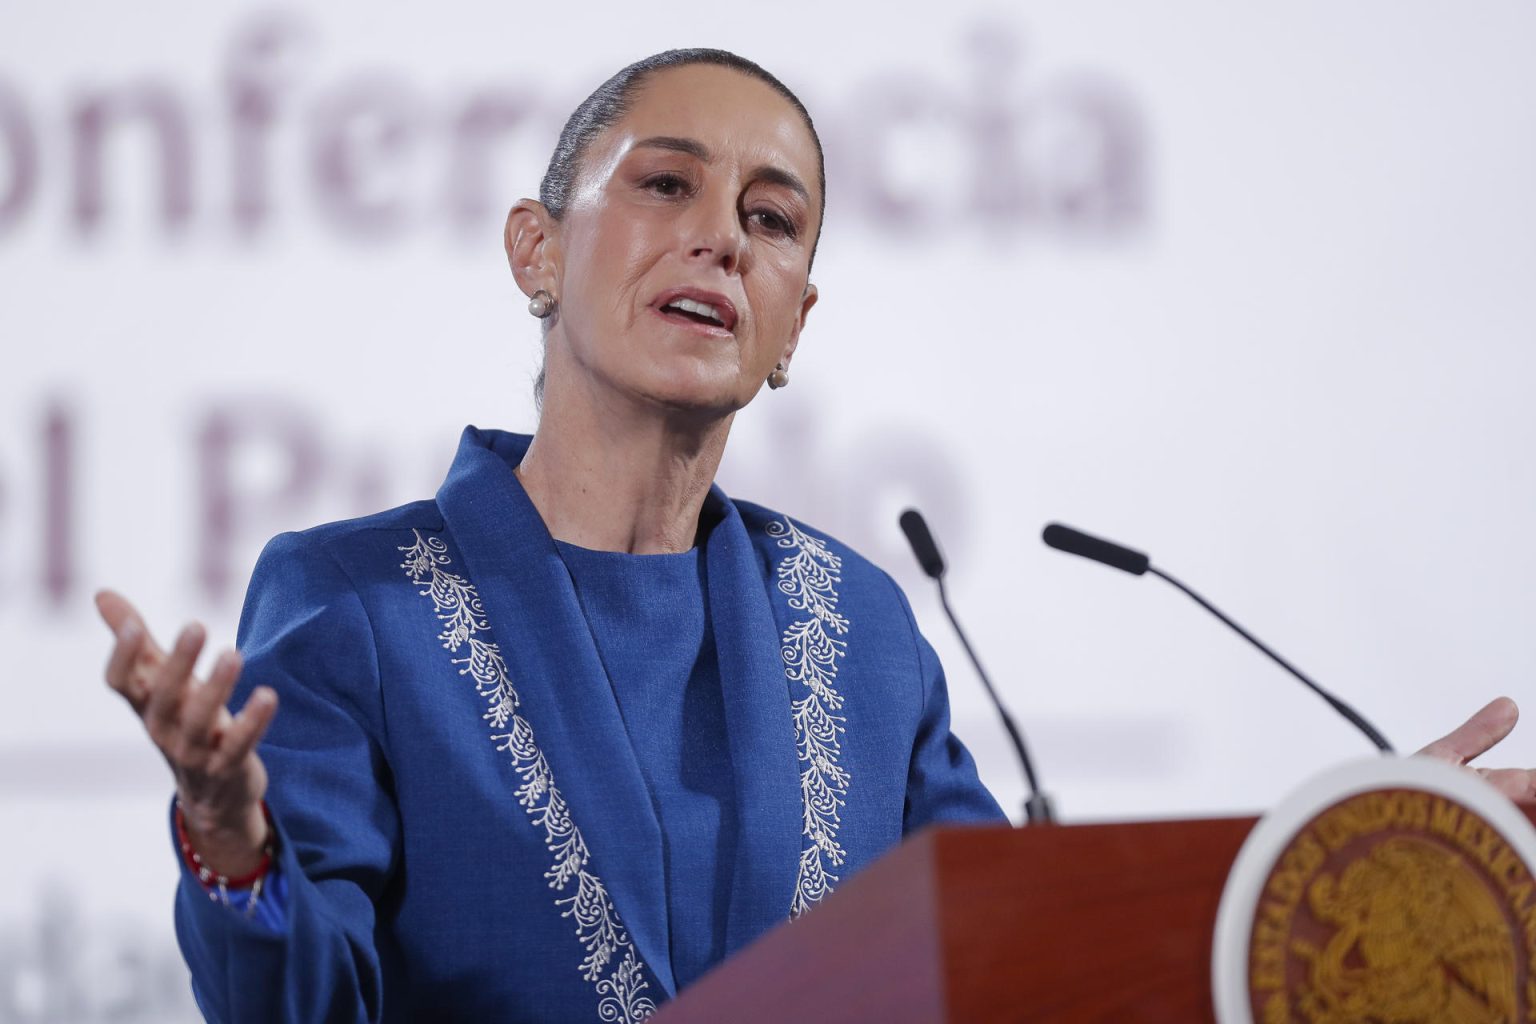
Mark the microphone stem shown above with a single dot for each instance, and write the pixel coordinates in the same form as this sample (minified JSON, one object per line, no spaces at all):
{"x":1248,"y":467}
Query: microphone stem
{"x":1338,"y":705}
{"x":1037,"y":808}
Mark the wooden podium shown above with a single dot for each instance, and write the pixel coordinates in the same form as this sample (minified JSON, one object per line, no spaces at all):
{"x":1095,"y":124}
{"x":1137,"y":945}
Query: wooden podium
{"x":1059,"y":923}
{"x":976,"y":925}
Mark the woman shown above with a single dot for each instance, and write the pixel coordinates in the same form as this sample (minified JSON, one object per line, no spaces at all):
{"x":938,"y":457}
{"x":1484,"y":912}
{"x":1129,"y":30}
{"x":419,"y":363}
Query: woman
{"x":557,"y":741}
{"x":561,"y":739}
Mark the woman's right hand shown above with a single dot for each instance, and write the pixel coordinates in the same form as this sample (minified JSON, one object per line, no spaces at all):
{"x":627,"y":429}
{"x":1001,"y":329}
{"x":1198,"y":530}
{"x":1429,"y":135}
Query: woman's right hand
{"x":220,"y":780}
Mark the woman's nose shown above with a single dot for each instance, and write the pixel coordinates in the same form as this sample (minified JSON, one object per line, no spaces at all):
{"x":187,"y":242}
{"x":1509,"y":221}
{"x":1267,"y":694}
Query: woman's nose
{"x":715,"y":236}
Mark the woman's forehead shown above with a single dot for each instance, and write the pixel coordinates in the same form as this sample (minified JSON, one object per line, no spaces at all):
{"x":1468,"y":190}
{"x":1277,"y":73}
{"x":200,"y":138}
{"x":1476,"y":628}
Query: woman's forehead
{"x":730,"y":113}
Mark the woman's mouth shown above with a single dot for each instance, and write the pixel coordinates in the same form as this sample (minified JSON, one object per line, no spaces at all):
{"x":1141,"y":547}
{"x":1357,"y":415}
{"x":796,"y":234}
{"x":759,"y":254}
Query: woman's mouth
{"x":703,"y":312}
{"x":707,"y":312}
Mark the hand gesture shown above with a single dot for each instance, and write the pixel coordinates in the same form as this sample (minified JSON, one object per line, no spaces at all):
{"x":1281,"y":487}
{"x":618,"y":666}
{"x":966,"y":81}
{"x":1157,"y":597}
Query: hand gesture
{"x":1480,"y":733}
{"x":220,"y":780}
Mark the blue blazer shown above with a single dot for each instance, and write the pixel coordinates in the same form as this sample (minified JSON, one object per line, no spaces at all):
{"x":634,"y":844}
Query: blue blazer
{"x":464,"y":830}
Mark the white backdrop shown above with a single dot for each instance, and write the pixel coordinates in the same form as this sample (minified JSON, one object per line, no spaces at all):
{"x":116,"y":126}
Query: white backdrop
{"x":1248,"y":287}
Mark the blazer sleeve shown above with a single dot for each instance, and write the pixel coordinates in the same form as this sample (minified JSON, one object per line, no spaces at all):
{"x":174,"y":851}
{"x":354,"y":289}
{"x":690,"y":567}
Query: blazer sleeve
{"x":942,"y":783}
{"x":304,"y":632}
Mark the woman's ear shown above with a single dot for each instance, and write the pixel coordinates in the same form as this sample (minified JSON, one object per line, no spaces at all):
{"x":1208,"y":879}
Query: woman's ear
{"x":533,"y":247}
{"x":806,"y":302}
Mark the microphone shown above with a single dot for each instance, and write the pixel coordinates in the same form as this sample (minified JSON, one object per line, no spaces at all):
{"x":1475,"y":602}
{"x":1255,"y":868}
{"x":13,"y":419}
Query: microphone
{"x":1037,"y":806}
{"x":1075,"y":542}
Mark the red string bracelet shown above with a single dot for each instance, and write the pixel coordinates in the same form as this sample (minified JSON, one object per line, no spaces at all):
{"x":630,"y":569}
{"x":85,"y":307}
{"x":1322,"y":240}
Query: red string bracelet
{"x":212,"y":880}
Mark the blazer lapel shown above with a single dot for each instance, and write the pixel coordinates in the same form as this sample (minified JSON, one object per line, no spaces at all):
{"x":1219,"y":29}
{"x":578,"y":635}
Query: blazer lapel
{"x":760,"y":730}
{"x":533,"y":612}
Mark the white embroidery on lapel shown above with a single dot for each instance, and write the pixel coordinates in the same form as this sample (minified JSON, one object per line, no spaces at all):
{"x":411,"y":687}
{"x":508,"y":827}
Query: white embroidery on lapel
{"x":598,"y":928}
{"x":809,"y":575}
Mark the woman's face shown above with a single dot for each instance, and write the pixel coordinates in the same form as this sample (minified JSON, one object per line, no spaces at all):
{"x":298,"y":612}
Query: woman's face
{"x":684,"y":252}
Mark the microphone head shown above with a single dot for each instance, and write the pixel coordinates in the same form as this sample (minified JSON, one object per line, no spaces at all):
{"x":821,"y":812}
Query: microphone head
{"x":923,"y":544}
{"x":1076,"y":542}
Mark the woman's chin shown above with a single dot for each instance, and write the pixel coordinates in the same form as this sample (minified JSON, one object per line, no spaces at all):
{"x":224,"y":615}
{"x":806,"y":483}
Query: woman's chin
{"x":703,"y":396}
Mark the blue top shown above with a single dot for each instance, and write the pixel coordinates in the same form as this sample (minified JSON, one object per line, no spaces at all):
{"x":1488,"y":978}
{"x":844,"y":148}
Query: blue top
{"x":650,"y":621}
{"x":480,"y":817}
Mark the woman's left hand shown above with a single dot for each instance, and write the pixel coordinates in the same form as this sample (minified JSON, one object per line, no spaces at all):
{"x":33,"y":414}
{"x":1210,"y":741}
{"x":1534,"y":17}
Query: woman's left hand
{"x":1478,"y":734}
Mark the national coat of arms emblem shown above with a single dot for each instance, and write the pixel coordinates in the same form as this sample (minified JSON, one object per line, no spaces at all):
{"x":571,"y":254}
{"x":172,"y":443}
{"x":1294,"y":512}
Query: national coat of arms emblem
{"x":1403,"y":896}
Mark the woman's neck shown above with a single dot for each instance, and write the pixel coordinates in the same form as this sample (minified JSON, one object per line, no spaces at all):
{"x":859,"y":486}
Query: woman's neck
{"x":622,"y":480}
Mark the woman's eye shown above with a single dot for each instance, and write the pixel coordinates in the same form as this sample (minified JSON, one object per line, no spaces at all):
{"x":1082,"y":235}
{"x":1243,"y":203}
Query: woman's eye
{"x":774,"y":222}
{"x":667,"y":185}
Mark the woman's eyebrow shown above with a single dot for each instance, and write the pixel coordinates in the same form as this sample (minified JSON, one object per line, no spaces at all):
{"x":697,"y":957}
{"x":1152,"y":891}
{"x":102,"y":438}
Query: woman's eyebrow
{"x":779,"y":176}
{"x":678,"y":144}
{"x":699,"y":151}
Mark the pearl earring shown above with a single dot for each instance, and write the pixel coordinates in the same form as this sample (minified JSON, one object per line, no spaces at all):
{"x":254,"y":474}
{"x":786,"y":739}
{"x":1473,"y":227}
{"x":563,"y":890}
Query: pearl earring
{"x":778,"y":378}
{"x":542,"y":304}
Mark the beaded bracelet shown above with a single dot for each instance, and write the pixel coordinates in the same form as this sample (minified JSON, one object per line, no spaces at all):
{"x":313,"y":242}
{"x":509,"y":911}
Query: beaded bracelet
{"x":218,"y":886}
